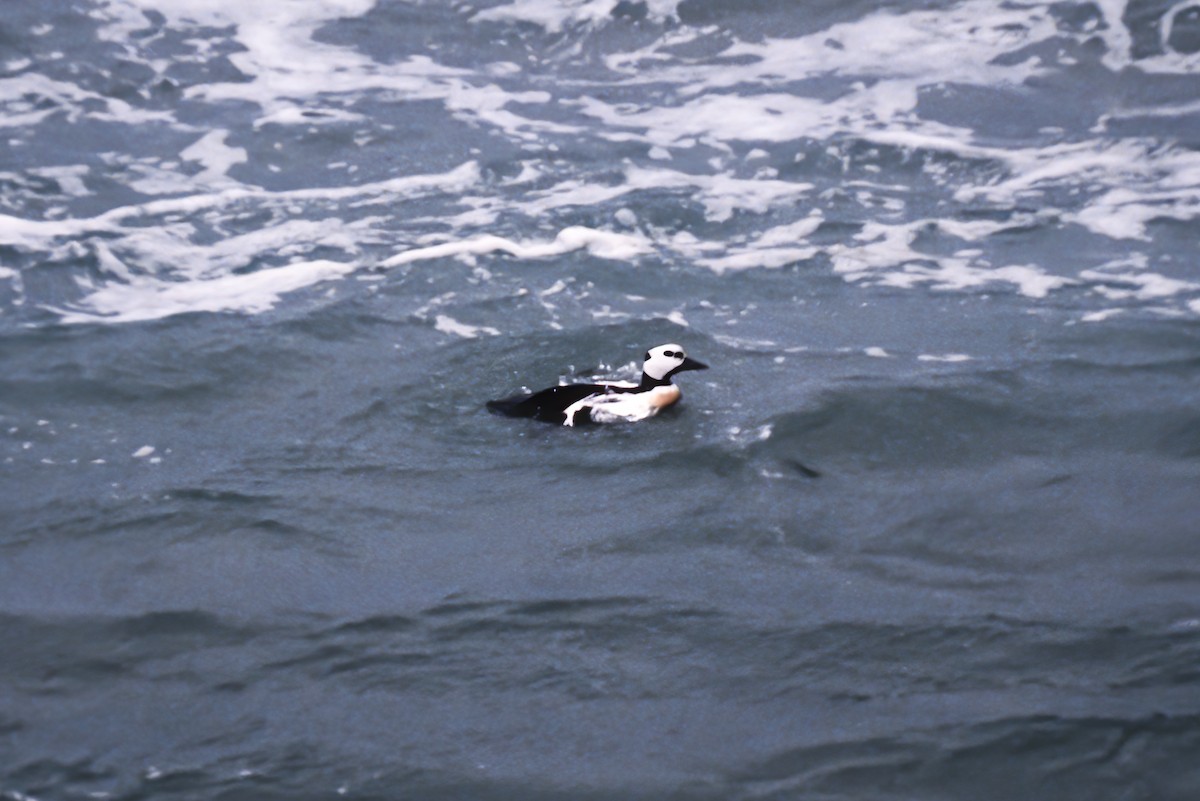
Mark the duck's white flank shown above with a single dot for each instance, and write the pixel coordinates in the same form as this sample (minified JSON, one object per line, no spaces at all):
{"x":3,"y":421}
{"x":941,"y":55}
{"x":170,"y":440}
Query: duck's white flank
{"x":626,"y":407}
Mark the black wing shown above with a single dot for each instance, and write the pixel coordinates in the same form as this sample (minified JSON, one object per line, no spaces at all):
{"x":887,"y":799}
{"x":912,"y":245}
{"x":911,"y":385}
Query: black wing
{"x":547,"y":405}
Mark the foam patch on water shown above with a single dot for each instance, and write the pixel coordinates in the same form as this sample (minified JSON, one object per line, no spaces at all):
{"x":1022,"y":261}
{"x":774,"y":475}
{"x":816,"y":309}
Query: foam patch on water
{"x":604,"y":244}
{"x":775,"y":247}
{"x":906,"y":50}
{"x":215,"y":155}
{"x":153,"y":271}
{"x":555,"y":15}
{"x":30,"y":98}
{"x":448,"y":325}
{"x":151,"y":299}
{"x":38,"y":234}
{"x":1119,"y":41}
{"x":1131,"y":182}
{"x":735,"y":122}
{"x":722,"y":194}
{"x":1137,"y":285}
{"x":279,"y":53}
{"x":913,"y":50}
{"x":884,"y":254}
{"x":294,"y":77}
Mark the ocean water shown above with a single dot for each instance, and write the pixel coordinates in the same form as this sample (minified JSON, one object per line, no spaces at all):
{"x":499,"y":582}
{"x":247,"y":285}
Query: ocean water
{"x":928,"y":528}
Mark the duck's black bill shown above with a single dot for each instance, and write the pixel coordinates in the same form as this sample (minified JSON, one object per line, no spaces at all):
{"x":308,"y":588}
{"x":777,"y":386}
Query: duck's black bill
{"x":691,"y":364}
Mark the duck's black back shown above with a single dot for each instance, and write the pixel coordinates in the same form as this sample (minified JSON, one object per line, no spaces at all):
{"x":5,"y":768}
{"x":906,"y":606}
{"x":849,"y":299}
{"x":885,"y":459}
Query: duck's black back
{"x":548,"y":405}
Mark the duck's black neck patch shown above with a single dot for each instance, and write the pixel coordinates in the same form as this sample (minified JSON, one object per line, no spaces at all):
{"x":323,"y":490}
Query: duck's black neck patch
{"x":650,"y":383}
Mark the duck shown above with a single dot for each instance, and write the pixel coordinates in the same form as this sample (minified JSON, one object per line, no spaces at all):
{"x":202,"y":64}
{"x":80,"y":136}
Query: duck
{"x":609,"y":402}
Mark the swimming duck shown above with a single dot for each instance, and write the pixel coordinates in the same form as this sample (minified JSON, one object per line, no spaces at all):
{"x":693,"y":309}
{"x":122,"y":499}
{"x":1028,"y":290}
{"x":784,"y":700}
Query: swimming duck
{"x":610,"y":402}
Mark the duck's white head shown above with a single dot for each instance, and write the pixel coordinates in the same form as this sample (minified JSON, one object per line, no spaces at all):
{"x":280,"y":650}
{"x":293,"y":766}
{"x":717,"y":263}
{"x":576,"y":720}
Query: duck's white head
{"x":665,"y":361}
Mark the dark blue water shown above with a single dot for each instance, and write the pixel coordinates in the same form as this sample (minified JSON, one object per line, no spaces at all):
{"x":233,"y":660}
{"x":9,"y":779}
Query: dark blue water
{"x":928,"y":528}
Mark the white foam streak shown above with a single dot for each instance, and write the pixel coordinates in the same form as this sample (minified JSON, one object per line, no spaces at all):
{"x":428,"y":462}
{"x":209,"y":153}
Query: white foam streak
{"x":912,"y":49}
{"x":490,"y":103}
{"x":721,"y":194}
{"x":775,"y":247}
{"x":958,"y":43}
{"x":604,"y":244}
{"x":555,"y":15}
{"x":944,"y":357}
{"x":69,"y":178}
{"x":871,"y":71}
{"x":1119,"y":41}
{"x":551,"y":15}
{"x":18,"y":96}
{"x":1099,"y":316}
{"x":216,"y":156}
{"x":1133,"y":181}
{"x":290,"y":72}
{"x":1125,"y":213}
{"x":448,"y":325}
{"x":718,"y":118}
{"x":38,"y":234}
{"x":884,"y":254}
{"x":1143,"y":286}
{"x":152,"y":299}
{"x":292,"y":75}
{"x":34,"y":234}
{"x":157,"y":271}
{"x":1081,"y":163}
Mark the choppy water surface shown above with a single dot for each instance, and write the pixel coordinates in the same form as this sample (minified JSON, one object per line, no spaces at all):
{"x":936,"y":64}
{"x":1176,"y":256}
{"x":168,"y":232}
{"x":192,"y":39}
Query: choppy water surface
{"x":928,"y":528}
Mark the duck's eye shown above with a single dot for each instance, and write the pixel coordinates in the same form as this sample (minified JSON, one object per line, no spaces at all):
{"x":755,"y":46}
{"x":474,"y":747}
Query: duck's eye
{"x":670,"y":354}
